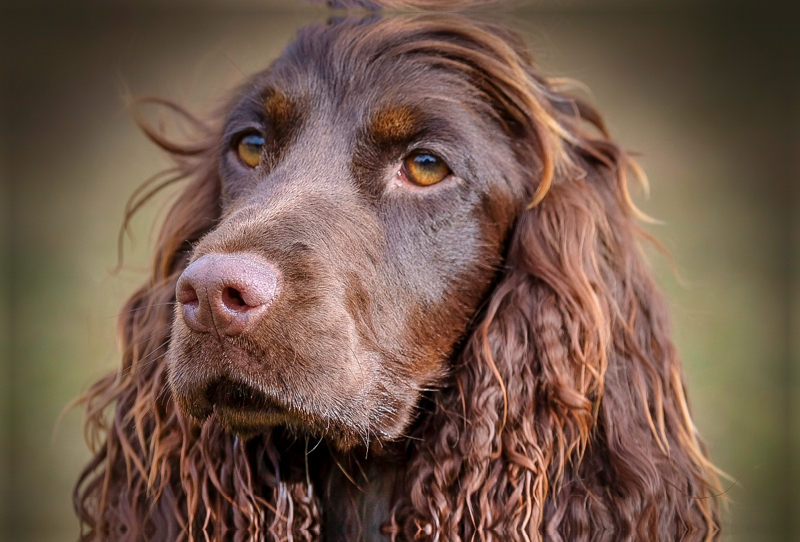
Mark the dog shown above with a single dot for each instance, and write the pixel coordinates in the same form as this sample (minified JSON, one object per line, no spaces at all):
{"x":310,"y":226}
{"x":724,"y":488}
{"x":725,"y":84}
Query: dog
{"x":401,"y":297}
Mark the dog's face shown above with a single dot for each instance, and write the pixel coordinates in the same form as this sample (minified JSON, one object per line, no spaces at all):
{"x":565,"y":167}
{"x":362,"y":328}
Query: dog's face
{"x":367,"y":198}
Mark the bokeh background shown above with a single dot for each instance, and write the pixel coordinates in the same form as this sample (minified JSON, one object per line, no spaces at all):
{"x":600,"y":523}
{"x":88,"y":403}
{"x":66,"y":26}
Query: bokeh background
{"x":707,"y":92}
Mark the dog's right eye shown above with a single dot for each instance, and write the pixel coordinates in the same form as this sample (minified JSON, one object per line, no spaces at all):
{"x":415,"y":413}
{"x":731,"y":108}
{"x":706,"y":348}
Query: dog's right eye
{"x":251,"y":150}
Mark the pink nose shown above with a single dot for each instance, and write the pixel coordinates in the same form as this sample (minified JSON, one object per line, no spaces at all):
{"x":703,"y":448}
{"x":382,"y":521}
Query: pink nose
{"x":225,"y":294}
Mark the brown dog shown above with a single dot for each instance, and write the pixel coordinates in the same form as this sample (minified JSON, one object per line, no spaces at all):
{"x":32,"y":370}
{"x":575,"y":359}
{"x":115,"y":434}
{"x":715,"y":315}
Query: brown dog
{"x":401,"y":297}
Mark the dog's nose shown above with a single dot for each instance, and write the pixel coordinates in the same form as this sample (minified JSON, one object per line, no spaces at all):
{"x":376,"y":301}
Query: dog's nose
{"x":225,"y":294}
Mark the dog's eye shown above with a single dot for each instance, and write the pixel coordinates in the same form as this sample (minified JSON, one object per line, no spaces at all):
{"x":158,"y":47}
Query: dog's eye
{"x":424,"y":169}
{"x":250,"y":149}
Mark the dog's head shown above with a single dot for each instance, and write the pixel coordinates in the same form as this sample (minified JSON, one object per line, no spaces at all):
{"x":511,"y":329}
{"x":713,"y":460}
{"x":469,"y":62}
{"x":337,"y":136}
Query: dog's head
{"x":398,"y":207}
{"x":368,"y":180}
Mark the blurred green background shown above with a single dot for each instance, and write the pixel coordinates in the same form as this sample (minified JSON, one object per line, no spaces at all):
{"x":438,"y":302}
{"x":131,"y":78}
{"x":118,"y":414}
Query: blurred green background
{"x":708,"y":92}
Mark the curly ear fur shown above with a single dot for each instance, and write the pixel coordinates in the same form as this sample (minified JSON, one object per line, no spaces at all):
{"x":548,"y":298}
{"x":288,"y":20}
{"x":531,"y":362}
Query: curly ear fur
{"x":157,"y":475}
{"x":565,"y":413}
{"x":568,"y":406}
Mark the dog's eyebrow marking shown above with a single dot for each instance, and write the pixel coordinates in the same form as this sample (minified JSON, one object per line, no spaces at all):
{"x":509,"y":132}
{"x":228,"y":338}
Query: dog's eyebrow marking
{"x":394,"y":124}
{"x":278,"y":107}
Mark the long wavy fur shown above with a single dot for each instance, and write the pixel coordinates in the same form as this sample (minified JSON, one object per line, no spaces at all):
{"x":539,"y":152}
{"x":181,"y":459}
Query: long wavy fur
{"x":563,"y":416}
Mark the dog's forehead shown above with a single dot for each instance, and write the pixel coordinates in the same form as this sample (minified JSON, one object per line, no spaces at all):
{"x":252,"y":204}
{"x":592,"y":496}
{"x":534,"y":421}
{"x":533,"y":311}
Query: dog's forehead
{"x":349,"y":73}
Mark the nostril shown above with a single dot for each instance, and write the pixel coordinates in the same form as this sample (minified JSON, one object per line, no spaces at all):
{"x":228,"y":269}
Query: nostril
{"x":233,"y":300}
{"x":186,"y":294}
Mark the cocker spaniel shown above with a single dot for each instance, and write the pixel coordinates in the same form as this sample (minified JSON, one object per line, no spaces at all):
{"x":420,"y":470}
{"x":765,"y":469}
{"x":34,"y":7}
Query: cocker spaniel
{"x":400,"y":297}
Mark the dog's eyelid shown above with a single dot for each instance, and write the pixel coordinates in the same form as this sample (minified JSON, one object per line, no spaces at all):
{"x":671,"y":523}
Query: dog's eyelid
{"x":233,"y":134}
{"x":425,"y":151}
{"x":446,"y":146}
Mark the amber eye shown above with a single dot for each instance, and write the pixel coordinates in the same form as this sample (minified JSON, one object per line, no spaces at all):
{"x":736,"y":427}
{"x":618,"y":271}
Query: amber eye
{"x":424,"y":169}
{"x":250,"y":149}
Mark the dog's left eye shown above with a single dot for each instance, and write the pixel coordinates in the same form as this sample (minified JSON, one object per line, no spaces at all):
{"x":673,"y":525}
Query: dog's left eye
{"x":424,"y":169}
{"x":251,"y":149}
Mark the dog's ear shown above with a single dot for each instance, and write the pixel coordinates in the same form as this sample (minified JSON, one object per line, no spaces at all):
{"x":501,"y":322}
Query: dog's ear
{"x":568,"y":406}
{"x":154,"y":471}
{"x":132,"y":424}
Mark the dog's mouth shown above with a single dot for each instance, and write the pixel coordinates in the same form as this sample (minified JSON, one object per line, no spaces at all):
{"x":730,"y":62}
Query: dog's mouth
{"x":230,"y":395}
{"x":238,"y":407}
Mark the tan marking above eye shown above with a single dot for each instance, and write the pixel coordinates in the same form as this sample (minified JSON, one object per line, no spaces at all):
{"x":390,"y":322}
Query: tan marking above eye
{"x":251,"y":150}
{"x":424,"y":169}
{"x":396,"y":124}
{"x":279,"y":108}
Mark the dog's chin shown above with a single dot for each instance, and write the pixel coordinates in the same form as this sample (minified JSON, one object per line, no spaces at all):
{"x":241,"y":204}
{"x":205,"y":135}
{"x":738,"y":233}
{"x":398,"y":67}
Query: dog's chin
{"x":247,"y":424}
{"x":250,"y":424}
{"x":247,"y":412}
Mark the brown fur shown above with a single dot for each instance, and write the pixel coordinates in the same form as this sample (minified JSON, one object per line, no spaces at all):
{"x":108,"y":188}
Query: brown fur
{"x":486,"y":358}
{"x":392,"y":125}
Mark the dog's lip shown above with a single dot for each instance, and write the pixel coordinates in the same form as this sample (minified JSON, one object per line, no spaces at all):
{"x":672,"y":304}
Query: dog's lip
{"x":229,"y":394}
{"x":237,"y":406}
{"x":249,"y":422}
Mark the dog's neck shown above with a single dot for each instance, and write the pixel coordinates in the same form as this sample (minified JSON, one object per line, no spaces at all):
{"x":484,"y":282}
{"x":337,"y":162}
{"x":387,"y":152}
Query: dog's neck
{"x":371,"y":501}
{"x":356,"y":489}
